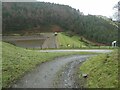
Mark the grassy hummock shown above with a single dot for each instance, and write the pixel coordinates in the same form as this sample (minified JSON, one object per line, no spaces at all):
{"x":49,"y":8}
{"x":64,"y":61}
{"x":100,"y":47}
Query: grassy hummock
{"x":102,"y":71}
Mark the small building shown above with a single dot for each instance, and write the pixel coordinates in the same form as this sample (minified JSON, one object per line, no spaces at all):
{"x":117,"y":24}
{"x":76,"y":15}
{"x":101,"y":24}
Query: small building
{"x":114,"y":43}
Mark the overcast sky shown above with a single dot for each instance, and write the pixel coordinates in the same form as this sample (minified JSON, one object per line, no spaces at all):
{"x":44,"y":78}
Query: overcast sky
{"x":94,"y":7}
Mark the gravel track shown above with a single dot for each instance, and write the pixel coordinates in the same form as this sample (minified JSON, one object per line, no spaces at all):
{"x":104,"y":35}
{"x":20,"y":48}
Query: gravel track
{"x":44,"y":75}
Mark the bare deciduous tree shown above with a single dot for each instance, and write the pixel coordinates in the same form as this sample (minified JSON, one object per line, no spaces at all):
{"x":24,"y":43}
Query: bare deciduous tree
{"x":117,"y":13}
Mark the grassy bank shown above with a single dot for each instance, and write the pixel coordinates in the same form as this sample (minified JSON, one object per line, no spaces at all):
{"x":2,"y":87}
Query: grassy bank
{"x":0,"y":65}
{"x":102,"y":71}
{"x":64,"y":40}
{"x":17,"y":61}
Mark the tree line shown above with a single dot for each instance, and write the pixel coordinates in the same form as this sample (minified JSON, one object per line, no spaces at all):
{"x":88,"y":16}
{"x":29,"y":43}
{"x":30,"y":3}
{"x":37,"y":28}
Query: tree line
{"x":20,"y":16}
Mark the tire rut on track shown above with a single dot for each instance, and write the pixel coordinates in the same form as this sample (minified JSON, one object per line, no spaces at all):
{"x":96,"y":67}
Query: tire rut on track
{"x":44,"y":75}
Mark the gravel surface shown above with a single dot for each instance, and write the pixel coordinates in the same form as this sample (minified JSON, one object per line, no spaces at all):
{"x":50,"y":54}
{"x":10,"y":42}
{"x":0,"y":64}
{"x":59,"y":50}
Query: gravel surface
{"x":58,"y":73}
{"x":78,"y":50}
{"x":44,"y":75}
{"x":66,"y":77}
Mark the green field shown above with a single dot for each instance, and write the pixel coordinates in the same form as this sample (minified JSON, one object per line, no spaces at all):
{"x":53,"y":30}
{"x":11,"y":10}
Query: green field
{"x":17,"y":61}
{"x":64,"y":40}
{"x":74,"y":42}
{"x":102,"y":71}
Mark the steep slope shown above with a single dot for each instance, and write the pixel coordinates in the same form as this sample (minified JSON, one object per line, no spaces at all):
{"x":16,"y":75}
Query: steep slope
{"x":21,"y":17}
{"x":65,"y":41}
{"x":102,"y":71}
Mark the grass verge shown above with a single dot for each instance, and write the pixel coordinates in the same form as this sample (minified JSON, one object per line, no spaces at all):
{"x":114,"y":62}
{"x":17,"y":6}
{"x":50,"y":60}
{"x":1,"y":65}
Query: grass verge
{"x":102,"y":71}
{"x":17,"y":61}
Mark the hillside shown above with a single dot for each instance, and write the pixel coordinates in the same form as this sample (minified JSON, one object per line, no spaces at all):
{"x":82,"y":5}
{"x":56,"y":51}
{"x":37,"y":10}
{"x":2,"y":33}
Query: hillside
{"x":20,"y":61}
{"x":65,"y":41}
{"x":37,"y":17}
{"x":49,"y":40}
{"x":102,"y":71}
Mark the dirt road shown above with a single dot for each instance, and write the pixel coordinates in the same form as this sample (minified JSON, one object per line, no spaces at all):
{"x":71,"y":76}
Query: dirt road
{"x":44,"y":76}
{"x":78,"y":50}
{"x":58,"y":73}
